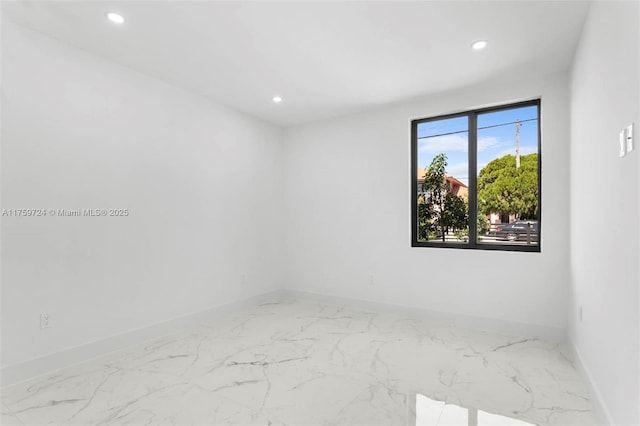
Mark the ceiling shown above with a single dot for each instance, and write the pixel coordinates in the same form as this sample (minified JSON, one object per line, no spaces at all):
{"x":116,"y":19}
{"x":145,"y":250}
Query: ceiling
{"x":324,"y":58}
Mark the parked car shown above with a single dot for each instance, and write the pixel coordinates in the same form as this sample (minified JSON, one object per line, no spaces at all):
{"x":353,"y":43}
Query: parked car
{"x":517,"y":231}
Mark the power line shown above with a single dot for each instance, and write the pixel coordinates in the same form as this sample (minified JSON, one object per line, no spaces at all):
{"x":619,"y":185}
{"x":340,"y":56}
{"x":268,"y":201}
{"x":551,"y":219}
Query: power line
{"x":506,"y":124}
{"x":479,"y":128}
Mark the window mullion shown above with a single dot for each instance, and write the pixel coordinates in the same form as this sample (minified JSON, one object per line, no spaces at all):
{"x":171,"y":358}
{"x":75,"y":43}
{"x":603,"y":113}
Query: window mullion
{"x":473,"y":188}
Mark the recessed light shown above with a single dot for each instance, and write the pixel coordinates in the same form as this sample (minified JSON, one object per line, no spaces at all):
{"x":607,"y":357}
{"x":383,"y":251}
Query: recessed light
{"x":116,"y":18}
{"x":277,"y":99}
{"x":478,"y":45}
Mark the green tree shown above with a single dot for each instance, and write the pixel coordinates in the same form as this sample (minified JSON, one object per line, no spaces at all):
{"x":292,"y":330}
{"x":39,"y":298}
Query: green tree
{"x":454,"y":214}
{"x":503,"y":188}
{"x":438,"y":208}
{"x":425,"y":230}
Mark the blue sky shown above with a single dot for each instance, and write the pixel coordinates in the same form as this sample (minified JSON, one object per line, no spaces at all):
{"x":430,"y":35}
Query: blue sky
{"x":493,"y":143}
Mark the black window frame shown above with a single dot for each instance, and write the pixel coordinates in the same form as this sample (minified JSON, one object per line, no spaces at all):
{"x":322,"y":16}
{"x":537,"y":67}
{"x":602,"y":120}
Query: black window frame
{"x":473,"y":177}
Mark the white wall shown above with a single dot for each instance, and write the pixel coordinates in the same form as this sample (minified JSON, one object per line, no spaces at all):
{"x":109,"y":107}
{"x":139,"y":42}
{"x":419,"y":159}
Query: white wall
{"x":347,"y":203}
{"x":605,"y":208}
{"x":203,"y":185}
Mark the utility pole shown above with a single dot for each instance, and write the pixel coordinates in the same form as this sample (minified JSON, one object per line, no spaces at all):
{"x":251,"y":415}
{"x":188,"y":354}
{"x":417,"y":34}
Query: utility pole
{"x":517,"y":144}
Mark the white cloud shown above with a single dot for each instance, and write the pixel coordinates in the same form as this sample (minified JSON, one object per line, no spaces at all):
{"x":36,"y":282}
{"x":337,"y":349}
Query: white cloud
{"x":458,"y":170}
{"x":456,"y":143}
{"x":447,"y":143}
{"x":489,"y":142}
{"x":524,"y":150}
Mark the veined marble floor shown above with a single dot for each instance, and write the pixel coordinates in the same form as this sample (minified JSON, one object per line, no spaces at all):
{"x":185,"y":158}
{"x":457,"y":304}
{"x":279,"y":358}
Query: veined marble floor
{"x":302,"y":362}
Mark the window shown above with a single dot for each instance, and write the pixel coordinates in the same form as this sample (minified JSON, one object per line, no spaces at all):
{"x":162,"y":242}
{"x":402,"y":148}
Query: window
{"x":476,"y":179}
{"x":434,"y":412}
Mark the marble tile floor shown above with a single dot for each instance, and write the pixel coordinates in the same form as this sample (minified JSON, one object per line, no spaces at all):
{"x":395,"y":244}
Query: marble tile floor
{"x":302,"y":362}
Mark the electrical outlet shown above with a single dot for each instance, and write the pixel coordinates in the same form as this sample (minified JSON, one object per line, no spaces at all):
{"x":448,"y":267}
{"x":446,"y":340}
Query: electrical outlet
{"x":45,"y":320}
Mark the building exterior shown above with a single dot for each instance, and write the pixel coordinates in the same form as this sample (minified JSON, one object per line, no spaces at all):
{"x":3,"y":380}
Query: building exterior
{"x":457,"y":187}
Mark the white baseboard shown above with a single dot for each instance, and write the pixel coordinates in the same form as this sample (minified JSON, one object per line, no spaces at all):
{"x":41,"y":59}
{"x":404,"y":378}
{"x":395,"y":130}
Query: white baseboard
{"x":545,"y":332}
{"x":597,"y":403}
{"x":45,"y":364}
